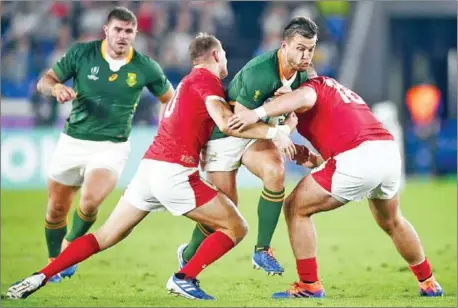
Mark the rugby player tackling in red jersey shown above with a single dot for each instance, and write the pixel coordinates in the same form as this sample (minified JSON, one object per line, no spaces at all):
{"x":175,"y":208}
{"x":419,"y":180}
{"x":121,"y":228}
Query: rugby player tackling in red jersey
{"x":168,"y":177}
{"x":359,"y":158}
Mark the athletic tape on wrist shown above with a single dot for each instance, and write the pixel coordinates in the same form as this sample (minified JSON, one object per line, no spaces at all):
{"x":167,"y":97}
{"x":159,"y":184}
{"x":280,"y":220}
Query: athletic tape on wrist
{"x":261,"y":112}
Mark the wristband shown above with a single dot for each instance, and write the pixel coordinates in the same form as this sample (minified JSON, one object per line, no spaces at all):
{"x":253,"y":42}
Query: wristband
{"x":261,"y":112}
{"x":285,"y":128}
{"x":272,"y":132}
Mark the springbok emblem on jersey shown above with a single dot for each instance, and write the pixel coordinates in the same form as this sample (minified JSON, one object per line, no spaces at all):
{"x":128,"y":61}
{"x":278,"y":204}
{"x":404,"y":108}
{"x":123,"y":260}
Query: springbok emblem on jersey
{"x":257,"y":93}
{"x":94,"y":72}
{"x":131,"y":79}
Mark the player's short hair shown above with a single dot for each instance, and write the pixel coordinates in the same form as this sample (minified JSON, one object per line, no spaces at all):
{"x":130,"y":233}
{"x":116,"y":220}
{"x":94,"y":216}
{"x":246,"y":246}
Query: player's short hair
{"x":122,"y":13}
{"x":300,"y":26}
{"x":201,"y":45}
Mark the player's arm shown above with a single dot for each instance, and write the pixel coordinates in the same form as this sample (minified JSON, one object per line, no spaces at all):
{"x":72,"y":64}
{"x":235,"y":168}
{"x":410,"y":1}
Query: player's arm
{"x":164,"y":99}
{"x":220,"y":113}
{"x":159,"y":85}
{"x":299,"y":100}
{"x":51,"y":83}
{"x":306,"y":158}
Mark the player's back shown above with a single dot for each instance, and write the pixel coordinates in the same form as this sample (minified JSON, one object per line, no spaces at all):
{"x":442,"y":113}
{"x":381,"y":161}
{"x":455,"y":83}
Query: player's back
{"x":340,"y":120}
{"x":186,"y":125}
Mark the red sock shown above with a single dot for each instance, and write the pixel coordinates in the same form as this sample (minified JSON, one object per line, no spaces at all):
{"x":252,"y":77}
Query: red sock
{"x":422,"y":271}
{"x":307,"y":269}
{"x":79,"y":250}
{"x":212,"y":248}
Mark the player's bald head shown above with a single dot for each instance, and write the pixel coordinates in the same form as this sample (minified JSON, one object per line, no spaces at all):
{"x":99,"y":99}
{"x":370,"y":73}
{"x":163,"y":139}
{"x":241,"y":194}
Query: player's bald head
{"x":201,"y":47}
{"x":302,"y":26}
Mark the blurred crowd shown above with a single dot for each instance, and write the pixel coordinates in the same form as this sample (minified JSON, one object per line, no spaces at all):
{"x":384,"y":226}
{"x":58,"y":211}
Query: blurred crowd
{"x":36,"y":34}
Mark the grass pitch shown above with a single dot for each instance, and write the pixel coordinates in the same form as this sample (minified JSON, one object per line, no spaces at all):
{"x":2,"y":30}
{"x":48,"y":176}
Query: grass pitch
{"x":357,"y":262}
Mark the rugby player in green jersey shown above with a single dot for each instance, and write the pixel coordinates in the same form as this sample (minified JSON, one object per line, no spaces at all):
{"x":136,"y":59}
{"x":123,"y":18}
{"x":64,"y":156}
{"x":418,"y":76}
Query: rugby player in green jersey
{"x":262,"y":78}
{"x":108,"y":76}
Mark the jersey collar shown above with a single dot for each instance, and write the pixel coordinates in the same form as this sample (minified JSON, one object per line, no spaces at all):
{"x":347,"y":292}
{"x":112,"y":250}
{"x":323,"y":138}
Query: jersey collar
{"x":104,"y":46}
{"x":283,"y":79}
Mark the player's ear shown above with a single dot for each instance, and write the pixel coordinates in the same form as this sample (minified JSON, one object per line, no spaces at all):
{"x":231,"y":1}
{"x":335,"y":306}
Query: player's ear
{"x":105,"y":30}
{"x":216,"y":55}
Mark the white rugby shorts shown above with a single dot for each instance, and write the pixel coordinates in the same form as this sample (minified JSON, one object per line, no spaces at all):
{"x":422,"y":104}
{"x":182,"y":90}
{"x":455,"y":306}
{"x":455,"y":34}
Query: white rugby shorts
{"x":74,"y":158}
{"x":372,"y":170}
{"x":159,"y":185}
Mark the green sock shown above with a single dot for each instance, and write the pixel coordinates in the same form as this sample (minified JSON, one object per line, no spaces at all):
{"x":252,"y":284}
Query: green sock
{"x":55,"y":233}
{"x":198,"y":236}
{"x":269,"y":209}
{"x":81,"y":224}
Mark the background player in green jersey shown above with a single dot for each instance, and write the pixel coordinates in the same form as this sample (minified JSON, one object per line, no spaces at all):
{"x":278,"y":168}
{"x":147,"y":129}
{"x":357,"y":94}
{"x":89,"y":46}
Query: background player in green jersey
{"x":108,"y":76}
{"x":265,"y":76}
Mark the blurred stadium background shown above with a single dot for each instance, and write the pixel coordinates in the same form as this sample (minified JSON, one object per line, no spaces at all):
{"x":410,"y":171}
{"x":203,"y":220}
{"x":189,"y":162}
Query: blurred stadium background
{"x":401,"y":56}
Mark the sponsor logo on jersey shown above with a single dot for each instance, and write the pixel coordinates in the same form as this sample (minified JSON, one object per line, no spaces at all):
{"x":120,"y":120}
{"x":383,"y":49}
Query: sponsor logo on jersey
{"x":94,"y":72}
{"x":113,"y":77}
{"x":257,"y":93}
{"x":131,"y":79}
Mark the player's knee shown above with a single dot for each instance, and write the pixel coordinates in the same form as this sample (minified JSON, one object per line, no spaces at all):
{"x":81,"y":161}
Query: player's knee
{"x":389,"y":225}
{"x":294,"y":207}
{"x":273,"y":174}
{"x":239,"y":229}
{"x":57,"y":209}
{"x":89,"y":202}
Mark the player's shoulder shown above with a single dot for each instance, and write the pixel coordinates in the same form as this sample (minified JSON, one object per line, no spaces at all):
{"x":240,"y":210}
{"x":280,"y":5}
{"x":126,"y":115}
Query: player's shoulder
{"x":82,"y":48}
{"x":266,"y":62}
{"x":146,"y":61}
{"x":316,"y":81}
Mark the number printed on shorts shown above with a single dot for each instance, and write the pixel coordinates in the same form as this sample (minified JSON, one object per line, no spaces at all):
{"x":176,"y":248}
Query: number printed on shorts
{"x":171,"y":105}
{"x":347,"y":95}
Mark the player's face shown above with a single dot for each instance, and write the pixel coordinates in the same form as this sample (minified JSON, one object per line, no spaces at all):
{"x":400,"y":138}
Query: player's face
{"x":222,"y":62}
{"x":120,"y":35}
{"x":299,"y":51}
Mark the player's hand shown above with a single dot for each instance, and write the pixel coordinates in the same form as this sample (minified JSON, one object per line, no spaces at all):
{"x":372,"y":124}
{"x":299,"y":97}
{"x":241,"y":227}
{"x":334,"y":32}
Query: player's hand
{"x":63,"y":93}
{"x":302,"y":154}
{"x":291,"y":120}
{"x":305,"y":158}
{"x":284,"y":144}
{"x":283,"y":90}
{"x":241,"y":120}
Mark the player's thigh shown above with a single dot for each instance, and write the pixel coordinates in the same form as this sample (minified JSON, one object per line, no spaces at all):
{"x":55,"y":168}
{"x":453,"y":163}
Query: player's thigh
{"x":220,"y":213}
{"x":386,"y":212}
{"x":309,"y":197}
{"x":119,"y":224}
{"x":224,"y":154}
{"x":226,"y":181}
{"x":263,"y":159}
{"x":60,"y":198}
{"x":68,"y":161}
{"x":97,"y":185}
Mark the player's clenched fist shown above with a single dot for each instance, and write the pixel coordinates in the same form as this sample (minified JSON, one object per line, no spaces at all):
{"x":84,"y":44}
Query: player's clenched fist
{"x":63,"y":93}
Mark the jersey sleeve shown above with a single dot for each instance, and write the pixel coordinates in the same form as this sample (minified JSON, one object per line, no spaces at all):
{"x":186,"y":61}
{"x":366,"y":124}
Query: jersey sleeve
{"x":66,"y":67}
{"x":253,"y":90}
{"x":157,"y":82}
{"x":211,"y":90}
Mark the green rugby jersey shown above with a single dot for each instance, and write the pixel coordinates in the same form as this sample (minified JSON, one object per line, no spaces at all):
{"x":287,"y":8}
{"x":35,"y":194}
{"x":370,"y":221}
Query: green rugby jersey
{"x":257,"y":81}
{"x":106,"y":99}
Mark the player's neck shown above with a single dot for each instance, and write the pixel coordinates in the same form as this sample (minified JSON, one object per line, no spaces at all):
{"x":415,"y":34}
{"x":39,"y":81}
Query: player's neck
{"x":285,"y":69}
{"x":114,"y":56}
{"x":212,"y":68}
